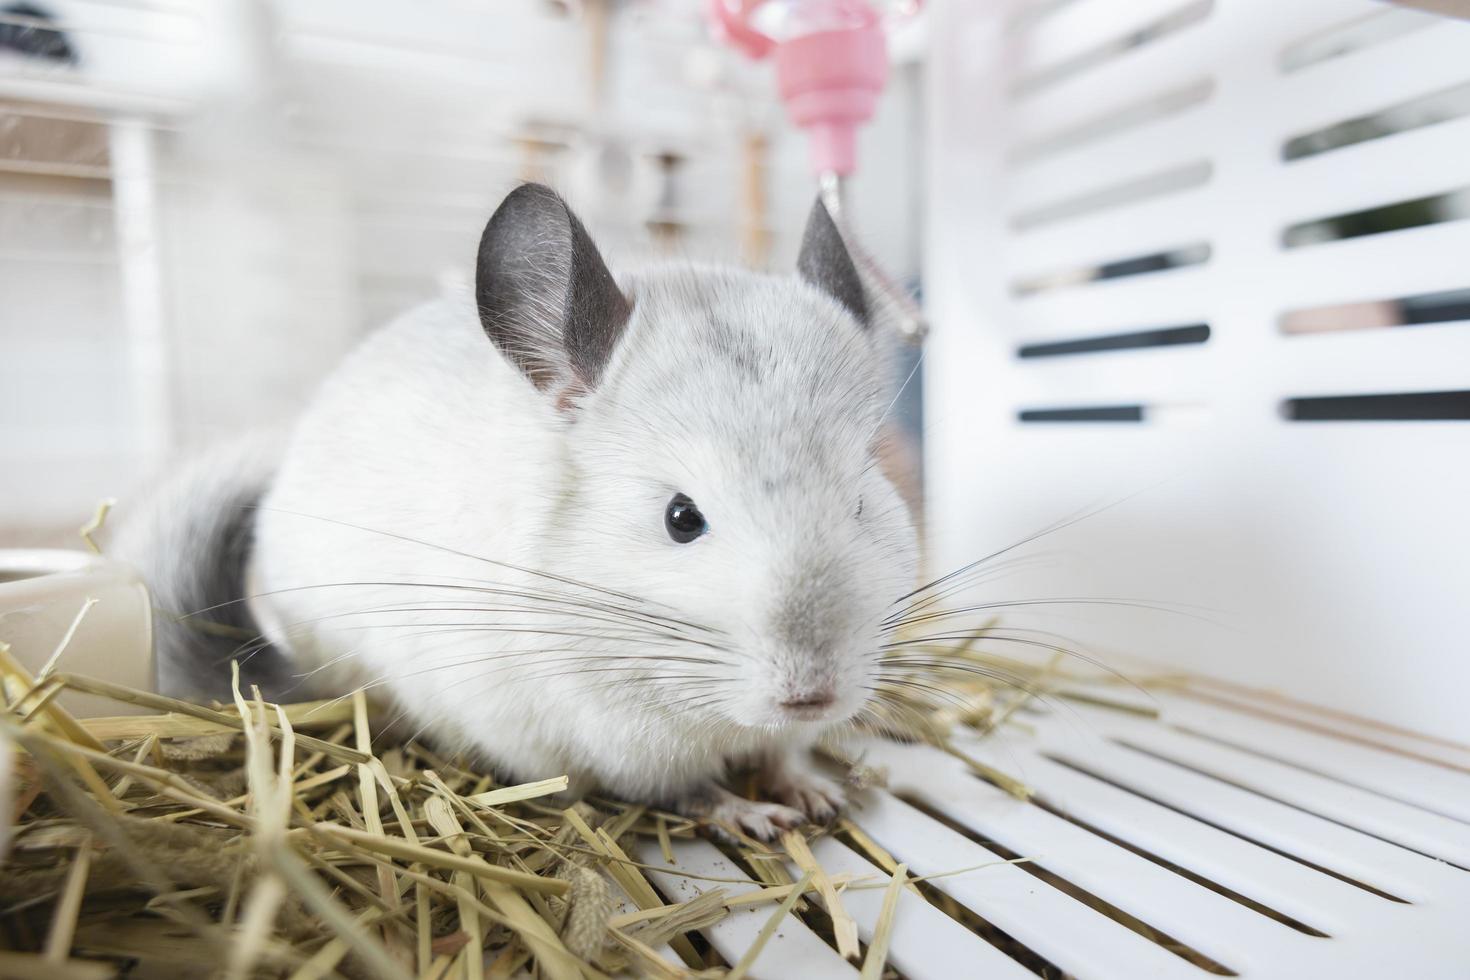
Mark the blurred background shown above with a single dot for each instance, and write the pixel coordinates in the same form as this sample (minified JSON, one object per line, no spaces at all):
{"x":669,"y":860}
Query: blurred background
{"x":204,"y":204}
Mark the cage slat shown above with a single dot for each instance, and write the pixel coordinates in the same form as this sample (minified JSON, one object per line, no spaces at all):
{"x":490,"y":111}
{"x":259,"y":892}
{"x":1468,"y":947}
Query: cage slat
{"x":794,"y":950}
{"x":1222,"y":930}
{"x":1118,"y":234}
{"x":1315,"y":899}
{"x":1052,"y":924}
{"x":1338,"y":724}
{"x":1404,"y":262}
{"x":1079,"y":27}
{"x":1372,"y":79}
{"x":1135,"y":153}
{"x":1406,"y":166}
{"x":1376,"y":863}
{"x":1169,"y":296}
{"x":1410,"y":826}
{"x":1401,"y":775}
{"x":926,"y":944}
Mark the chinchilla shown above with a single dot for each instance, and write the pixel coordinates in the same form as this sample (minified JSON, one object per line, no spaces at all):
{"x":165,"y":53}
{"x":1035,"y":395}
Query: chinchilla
{"x":632,"y":529}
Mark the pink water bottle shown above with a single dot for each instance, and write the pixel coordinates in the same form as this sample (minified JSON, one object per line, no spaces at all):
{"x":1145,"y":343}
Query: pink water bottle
{"x":831,"y":64}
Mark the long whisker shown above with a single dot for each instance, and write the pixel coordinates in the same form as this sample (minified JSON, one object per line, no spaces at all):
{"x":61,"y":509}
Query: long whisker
{"x":891,"y":624}
{"x":550,"y":576}
{"x":564,"y":599}
{"x":1060,"y":525}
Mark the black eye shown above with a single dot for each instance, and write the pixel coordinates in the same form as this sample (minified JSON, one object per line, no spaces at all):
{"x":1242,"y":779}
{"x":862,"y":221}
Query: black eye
{"x":683,"y":520}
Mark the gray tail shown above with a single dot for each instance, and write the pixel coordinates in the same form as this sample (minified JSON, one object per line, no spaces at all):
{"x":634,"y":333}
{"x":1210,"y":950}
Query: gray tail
{"x":191,"y":539}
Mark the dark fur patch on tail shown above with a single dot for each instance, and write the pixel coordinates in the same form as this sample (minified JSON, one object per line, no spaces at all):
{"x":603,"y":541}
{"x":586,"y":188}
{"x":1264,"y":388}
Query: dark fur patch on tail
{"x":210,"y":624}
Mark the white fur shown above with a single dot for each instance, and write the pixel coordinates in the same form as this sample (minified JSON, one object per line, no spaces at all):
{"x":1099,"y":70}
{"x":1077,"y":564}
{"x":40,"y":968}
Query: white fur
{"x":757,"y":396}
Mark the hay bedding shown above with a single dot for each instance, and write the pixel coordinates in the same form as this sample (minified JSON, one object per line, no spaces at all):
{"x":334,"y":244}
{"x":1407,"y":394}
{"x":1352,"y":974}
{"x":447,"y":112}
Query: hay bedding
{"x":253,"y":839}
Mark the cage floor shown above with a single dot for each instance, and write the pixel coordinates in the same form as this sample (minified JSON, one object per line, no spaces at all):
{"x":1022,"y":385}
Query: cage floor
{"x":1228,"y":836}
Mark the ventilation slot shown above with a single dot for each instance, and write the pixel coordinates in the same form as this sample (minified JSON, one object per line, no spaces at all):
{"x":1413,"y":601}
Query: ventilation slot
{"x":1185,"y":873}
{"x":1403,"y":311}
{"x":1285,"y":712}
{"x":1130,"y":922}
{"x":1084,"y":770}
{"x":1353,"y":35}
{"x":1413,"y":406}
{"x":1170,"y":23}
{"x":1118,"y":195}
{"x":1162,"y":757}
{"x":1196,"y":253}
{"x":1100,"y":413}
{"x":773,"y":871}
{"x":1132,"y":116}
{"x":1194,"y":333}
{"x":969,"y":919}
{"x":1398,"y":216}
{"x":1426,"y":110}
{"x":1282,"y":760}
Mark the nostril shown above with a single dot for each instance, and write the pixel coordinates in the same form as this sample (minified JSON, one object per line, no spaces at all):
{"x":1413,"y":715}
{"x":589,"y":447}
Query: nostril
{"x":818,"y":699}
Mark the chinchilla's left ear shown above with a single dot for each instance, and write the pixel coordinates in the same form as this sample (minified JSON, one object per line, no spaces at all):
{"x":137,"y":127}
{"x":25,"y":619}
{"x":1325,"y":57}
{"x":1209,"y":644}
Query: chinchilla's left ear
{"x":825,"y":263}
{"x":545,"y":296}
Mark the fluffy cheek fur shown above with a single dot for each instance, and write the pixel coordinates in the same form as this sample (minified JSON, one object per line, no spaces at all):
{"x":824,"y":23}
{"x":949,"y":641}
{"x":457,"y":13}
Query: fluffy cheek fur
{"x":795,"y":596}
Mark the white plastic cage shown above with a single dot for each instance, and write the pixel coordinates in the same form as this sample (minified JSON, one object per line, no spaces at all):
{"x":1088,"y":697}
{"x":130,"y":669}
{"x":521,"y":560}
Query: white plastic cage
{"x":1208,"y":262}
{"x":1198,"y":272}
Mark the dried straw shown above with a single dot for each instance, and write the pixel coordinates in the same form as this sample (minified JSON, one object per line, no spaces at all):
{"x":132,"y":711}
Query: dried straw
{"x":250,"y":839}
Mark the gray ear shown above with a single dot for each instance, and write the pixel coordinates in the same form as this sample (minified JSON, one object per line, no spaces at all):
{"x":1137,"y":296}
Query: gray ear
{"x":545,"y":296}
{"x":825,"y":263}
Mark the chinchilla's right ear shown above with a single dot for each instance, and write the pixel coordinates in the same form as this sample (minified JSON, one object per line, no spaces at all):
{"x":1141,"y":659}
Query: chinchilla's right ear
{"x":545,"y":296}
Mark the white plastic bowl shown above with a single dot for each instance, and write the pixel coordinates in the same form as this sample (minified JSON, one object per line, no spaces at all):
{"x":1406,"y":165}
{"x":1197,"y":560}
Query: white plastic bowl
{"x":41,"y":593}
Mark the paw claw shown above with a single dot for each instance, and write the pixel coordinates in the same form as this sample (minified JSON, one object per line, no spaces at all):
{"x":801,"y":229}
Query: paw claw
{"x":763,"y":821}
{"x":816,"y":796}
{"x":766,"y":821}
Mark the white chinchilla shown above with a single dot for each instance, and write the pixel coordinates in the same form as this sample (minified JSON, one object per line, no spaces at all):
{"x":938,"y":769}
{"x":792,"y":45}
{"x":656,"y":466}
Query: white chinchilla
{"x":636,"y":535}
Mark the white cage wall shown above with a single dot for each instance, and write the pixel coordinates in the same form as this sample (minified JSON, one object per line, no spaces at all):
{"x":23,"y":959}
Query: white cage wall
{"x":1115,"y":176}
